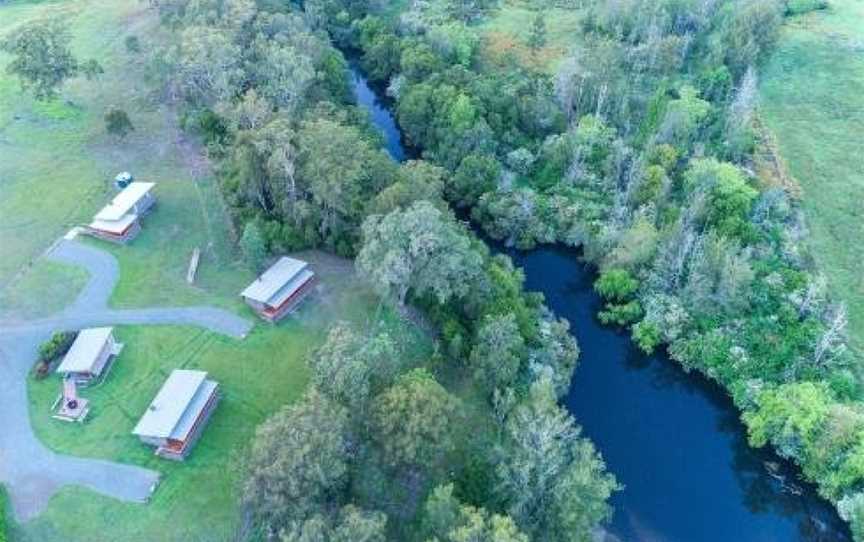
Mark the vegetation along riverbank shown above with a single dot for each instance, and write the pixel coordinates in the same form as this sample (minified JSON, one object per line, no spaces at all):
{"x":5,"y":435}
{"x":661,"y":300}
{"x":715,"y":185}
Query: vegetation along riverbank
{"x":471,"y":440}
{"x":429,"y":404}
{"x":642,"y":145}
{"x":627,"y":128}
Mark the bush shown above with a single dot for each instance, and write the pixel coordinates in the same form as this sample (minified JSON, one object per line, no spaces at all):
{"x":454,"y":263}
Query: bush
{"x":117,"y":123}
{"x":616,"y":285}
{"x":56,"y":346}
{"x":621,"y":314}
{"x":4,"y":524}
{"x":132,"y":44}
{"x":647,"y":336}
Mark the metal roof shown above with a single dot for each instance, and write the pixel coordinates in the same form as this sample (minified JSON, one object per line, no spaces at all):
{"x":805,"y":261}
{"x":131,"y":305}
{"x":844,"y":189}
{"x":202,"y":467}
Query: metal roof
{"x":293,"y":285}
{"x":170,"y":404}
{"x":190,"y":416}
{"x":124,"y":201}
{"x":85,"y":350}
{"x":265,"y":287}
{"x":114,"y":226}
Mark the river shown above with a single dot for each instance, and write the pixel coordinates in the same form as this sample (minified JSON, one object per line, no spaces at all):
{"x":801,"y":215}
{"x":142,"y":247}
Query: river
{"x":673,"y":439}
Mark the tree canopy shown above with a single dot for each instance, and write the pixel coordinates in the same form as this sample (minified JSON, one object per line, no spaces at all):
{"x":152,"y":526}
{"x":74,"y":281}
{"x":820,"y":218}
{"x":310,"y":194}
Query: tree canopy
{"x":42,"y":59}
{"x":419,"y":249}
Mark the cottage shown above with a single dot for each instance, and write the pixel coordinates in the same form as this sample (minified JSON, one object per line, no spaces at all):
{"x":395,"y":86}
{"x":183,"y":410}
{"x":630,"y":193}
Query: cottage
{"x":120,"y":220}
{"x":280,"y":289}
{"x":176,"y":418}
{"x":90,"y":355}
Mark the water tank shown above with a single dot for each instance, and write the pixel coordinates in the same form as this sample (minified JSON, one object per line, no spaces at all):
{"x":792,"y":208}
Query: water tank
{"x":122,"y":180}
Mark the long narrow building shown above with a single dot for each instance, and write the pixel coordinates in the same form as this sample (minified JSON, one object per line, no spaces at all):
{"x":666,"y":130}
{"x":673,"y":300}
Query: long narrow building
{"x":176,"y":418}
{"x":280,"y":289}
{"x":120,"y":220}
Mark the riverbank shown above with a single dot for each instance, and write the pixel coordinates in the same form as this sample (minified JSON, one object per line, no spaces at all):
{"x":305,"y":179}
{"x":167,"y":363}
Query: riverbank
{"x":672,"y":438}
{"x":811,"y":99}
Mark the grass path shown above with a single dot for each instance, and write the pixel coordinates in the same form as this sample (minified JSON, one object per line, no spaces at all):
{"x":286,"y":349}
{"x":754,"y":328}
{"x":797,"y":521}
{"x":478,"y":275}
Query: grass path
{"x":812,"y":99}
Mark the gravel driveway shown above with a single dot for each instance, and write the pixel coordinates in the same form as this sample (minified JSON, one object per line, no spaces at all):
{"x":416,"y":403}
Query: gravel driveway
{"x":31,"y":472}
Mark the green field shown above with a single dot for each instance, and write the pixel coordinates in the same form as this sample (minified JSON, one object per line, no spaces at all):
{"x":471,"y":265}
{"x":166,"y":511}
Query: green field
{"x":197,"y":498}
{"x":812,"y":99}
{"x":56,"y":164}
{"x":505,"y":32}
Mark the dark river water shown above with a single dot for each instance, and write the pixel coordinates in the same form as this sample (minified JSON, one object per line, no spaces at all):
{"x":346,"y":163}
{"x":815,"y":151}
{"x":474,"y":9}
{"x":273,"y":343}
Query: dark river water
{"x":672,"y":438}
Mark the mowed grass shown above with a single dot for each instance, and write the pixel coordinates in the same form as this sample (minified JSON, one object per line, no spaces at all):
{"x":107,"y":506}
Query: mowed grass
{"x":197,"y":499}
{"x":506,"y":33}
{"x":58,"y":162}
{"x":57,"y":284}
{"x":812,"y":99}
{"x":56,"y":166}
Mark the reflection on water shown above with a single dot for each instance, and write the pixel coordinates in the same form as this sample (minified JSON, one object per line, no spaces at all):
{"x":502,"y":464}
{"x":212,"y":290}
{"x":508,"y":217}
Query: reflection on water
{"x":672,"y":438}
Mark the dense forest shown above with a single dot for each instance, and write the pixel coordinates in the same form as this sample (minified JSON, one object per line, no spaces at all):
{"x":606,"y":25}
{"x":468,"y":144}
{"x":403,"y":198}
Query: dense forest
{"x":642,"y":146}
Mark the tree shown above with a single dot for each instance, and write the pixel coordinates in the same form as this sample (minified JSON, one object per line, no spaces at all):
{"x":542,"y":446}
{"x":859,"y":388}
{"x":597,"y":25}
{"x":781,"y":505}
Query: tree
{"x":537,"y":34}
{"x":618,"y":287}
{"x":418,"y":249}
{"x":556,"y":354}
{"x":851,"y":509}
{"x":352,"y":525}
{"x":298,"y":462}
{"x":553,"y":481}
{"x":498,"y":351}
{"x":469,"y":10}
{"x":448,"y":520}
{"x":739,"y":118}
{"x":284,"y":74}
{"x":117,"y":123}
{"x":133,"y":44}
{"x":348,"y":366}
{"x":476,"y":175}
{"x":413,"y":420}
{"x":789,"y":416}
{"x":207,"y":64}
{"x":253,"y":246}
{"x":417,"y":180}
{"x":341,"y":171}
{"x":42,"y":60}
{"x":684,"y":117}
{"x":728,"y":195}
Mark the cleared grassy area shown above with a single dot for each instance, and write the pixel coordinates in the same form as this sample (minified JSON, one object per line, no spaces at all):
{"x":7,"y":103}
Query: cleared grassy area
{"x":197,"y":499}
{"x":506,"y":31}
{"x":812,"y":99}
{"x":58,"y":163}
{"x":55,"y":172}
{"x":58,"y":285}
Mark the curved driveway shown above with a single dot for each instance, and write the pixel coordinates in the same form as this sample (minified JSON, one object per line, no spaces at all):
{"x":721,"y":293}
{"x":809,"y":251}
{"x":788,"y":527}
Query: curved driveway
{"x":31,"y":472}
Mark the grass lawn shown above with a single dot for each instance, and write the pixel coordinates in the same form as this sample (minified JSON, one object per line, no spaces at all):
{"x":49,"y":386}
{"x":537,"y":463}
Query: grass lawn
{"x":58,"y":163}
{"x":57,"y":283}
{"x":55,"y":172}
{"x":812,"y":99}
{"x":197,"y":498}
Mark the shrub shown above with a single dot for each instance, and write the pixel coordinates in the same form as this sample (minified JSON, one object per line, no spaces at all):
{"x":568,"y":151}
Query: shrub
{"x":621,"y":314}
{"x":616,"y":285}
{"x":56,"y":346}
{"x":117,"y":123}
{"x":133,"y":45}
{"x":647,"y":336}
